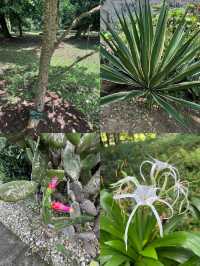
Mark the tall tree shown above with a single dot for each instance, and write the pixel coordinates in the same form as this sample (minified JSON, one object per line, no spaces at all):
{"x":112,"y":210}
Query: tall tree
{"x":48,"y":41}
{"x":4,"y":27}
{"x":49,"y":44}
{"x":3,"y":23}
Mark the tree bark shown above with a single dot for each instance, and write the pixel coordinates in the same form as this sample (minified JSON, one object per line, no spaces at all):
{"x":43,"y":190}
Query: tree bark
{"x":20,"y":27}
{"x":4,"y":26}
{"x":48,"y":40}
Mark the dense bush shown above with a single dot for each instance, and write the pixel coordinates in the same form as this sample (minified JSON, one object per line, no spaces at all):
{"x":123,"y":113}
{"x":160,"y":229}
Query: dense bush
{"x":13,"y":162}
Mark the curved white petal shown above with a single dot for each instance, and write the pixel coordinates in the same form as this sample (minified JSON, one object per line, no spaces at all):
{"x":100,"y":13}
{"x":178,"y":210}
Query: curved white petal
{"x":171,"y":209}
{"x":142,"y":164}
{"x":177,"y":197}
{"x":123,"y":196}
{"x":126,"y":180}
{"x":174,"y":173}
{"x":181,"y":205}
{"x":165,"y":181}
{"x":152,"y":173}
{"x":128,"y":224}
{"x":157,"y":218}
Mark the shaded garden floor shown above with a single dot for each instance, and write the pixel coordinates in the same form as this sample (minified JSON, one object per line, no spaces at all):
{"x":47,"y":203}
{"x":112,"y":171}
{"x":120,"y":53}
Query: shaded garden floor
{"x":135,"y":117}
{"x":19,"y":61}
{"x":59,"y":116}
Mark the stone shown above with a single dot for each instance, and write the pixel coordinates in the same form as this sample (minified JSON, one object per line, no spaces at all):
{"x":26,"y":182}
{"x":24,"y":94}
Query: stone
{"x":90,"y":243}
{"x":68,"y":231}
{"x":77,"y":189}
{"x":77,"y":212}
{"x":88,"y":207}
{"x":87,"y":236}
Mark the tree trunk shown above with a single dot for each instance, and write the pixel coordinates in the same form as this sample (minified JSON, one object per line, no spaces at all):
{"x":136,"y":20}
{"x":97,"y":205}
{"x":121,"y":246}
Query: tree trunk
{"x":4,"y":26}
{"x":49,"y":44}
{"x":20,"y":27}
{"x":49,"y":38}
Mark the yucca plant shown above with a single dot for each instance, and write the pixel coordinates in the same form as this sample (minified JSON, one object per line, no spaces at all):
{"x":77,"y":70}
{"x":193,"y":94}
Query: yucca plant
{"x":144,"y":57}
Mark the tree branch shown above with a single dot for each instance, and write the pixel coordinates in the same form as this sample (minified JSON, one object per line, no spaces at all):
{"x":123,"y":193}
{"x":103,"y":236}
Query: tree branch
{"x":79,"y":59}
{"x":75,"y":23}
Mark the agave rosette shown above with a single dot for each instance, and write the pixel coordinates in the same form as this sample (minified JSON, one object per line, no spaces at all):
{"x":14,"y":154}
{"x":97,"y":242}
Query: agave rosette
{"x":154,"y":66}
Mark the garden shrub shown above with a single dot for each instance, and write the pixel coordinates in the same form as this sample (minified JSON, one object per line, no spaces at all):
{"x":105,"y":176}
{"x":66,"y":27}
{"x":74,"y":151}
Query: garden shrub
{"x":14,"y":164}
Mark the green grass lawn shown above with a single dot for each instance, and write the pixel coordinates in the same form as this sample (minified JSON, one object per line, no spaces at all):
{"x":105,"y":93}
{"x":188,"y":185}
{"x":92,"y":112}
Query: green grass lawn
{"x":19,"y":60}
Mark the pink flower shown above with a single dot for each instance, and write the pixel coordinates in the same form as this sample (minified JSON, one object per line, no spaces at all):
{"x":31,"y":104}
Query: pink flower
{"x":52,"y":185}
{"x":58,"y":206}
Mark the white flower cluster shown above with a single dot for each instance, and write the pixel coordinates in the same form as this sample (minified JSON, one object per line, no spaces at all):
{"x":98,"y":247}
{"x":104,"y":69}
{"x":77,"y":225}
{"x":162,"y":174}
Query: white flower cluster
{"x":163,"y":185}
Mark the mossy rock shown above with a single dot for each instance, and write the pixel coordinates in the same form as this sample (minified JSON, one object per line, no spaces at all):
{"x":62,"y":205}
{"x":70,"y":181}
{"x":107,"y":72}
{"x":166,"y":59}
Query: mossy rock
{"x":17,"y":190}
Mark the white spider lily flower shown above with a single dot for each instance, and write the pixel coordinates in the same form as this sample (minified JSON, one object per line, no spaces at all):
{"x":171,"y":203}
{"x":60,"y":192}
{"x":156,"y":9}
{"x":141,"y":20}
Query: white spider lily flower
{"x":156,"y":167}
{"x":182,"y":190}
{"x":144,"y":196}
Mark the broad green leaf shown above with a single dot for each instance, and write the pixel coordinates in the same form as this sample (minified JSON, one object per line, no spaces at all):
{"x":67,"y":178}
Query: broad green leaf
{"x":194,"y":261}
{"x":149,"y":262}
{"x":179,"y":255}
{"x":187,"y":240}
{"x":196,"y":203}
{"x":120,"y":246}
{"x":149,"y":252}
{"x":106,"y":224}
{"x":74,"y":138}
{"x":116,"y":260}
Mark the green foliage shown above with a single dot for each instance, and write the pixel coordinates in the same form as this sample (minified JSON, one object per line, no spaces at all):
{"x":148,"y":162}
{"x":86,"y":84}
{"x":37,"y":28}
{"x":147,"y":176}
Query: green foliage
{"x":179,"y":149}
{"x":93,"y":22}
{"x":26,"y":13}
{"x":144,"y":247}
{"x":17,"y":190}
{"x":155,"y":67}
{"x":13,"y":162}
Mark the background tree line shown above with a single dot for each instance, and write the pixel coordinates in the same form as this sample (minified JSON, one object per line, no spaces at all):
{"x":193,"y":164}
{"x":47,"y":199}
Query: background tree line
{"x":26,"y":15}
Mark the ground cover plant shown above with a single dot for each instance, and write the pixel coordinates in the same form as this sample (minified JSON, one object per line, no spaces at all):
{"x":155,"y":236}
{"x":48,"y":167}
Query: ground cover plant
{"x":152,"y":65}
{"x":150,"y":208}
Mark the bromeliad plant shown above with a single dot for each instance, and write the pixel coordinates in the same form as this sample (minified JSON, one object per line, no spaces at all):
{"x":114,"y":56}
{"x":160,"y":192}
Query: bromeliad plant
{"x":73,"y":159}
{"x":129,"y":229}
{"x":155,"y":67}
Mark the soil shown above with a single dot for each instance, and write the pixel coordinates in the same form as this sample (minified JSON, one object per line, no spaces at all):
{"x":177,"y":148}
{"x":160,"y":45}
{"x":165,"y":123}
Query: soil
{"x":59,"y":116}
{"x":135,"y":116}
